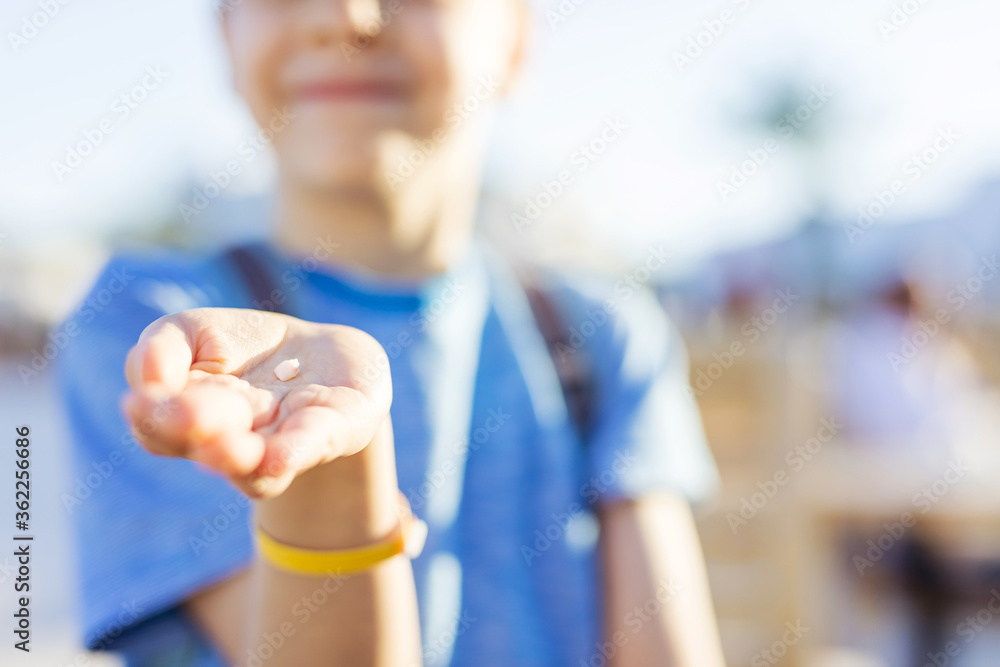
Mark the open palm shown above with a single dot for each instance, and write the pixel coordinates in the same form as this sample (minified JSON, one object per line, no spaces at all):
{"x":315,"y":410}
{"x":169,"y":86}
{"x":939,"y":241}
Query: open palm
{"x":203,"y":388}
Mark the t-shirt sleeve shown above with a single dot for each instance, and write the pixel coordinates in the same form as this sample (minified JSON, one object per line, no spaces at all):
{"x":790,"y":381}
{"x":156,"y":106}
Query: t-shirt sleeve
{"x":646,"y":431}
{"x":150,"y":530}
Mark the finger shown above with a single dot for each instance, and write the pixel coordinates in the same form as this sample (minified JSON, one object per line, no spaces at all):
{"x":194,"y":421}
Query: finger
{"x":351,"y":418}
{"x":198,"y":424}
{"x":317,"y":424}
{"x":161,"y":360}
{"x":303,"y":440}
{"x":258,"y":485}
{"x":260,"y":488}
{"x":233,"y":454}
{"x":263,"y":403}
{"x":141,"y":427}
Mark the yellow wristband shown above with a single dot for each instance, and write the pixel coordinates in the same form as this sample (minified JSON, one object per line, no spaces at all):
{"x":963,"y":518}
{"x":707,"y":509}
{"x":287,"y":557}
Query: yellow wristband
{"x":408,"y":537}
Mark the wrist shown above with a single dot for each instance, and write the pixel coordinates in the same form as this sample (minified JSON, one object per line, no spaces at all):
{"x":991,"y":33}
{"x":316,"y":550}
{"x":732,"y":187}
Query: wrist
{"x":346,"y":503}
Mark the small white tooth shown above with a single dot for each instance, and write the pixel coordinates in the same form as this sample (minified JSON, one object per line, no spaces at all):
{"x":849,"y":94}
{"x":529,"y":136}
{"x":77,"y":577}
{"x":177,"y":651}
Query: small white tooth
{"x":287,"y":369}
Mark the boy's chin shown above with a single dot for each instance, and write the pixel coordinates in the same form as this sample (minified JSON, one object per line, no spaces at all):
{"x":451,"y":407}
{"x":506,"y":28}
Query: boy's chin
{"x":360,"y":177}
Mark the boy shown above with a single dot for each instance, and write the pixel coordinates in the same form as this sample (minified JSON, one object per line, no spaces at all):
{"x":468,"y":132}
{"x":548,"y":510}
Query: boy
{"x":208,"y":546}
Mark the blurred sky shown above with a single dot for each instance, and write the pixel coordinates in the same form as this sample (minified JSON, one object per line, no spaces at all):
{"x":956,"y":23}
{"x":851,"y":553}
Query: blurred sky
{"x":687,"y":129}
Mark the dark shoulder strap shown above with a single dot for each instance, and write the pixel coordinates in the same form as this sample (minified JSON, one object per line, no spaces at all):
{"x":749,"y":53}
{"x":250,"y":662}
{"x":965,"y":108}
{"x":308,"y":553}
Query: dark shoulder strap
{"x":575,"y":376}
{"x":257,"y":278}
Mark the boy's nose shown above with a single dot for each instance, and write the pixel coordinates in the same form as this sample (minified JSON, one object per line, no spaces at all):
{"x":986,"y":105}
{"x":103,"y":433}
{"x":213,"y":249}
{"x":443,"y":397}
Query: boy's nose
{"x":337,"y":20}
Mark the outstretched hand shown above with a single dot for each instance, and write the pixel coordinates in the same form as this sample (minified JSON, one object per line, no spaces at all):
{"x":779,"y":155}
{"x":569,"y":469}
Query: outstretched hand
{"x":203,"y":388}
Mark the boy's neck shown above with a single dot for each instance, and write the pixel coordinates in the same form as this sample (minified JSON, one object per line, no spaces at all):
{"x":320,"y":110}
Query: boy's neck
{"x":410,"y":235}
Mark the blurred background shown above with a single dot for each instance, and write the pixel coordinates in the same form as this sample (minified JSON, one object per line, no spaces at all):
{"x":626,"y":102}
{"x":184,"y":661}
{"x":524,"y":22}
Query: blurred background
{"x":825,"y":177}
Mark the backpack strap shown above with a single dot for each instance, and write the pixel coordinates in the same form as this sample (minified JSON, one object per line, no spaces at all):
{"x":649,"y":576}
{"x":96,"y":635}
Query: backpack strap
{"x":257,"y":278}
{"x":575,"y":376}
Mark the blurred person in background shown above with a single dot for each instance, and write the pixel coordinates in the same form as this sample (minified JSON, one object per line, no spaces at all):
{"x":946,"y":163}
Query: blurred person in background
{"x":369,"y":268}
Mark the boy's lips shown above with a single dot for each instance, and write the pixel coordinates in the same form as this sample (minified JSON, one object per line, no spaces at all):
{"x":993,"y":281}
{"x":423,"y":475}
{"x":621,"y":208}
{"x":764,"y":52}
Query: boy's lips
{"x":352,"y":90}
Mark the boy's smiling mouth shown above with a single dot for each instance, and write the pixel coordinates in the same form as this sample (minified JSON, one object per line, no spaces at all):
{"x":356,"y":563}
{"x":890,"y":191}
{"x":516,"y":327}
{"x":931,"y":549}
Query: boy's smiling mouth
{"x":375,"y":90}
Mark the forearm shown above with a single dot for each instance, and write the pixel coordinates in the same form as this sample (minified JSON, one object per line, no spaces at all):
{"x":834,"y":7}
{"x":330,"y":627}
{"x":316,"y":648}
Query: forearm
{"x":369,"y":618}
{"x":364,"y":619}
{"x":658,"y":604}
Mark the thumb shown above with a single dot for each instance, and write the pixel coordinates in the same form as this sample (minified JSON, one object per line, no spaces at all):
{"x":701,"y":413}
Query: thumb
{"x":214,"y":340}
{"x":161,"y":360}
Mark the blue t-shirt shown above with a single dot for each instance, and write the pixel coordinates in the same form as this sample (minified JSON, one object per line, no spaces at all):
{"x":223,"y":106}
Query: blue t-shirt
{"x":485,"y":452}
